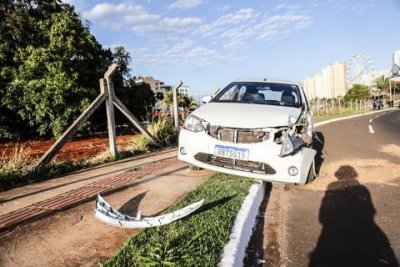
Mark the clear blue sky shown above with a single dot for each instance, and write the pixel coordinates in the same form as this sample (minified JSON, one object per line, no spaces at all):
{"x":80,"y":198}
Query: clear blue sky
{"x":208,"y":43}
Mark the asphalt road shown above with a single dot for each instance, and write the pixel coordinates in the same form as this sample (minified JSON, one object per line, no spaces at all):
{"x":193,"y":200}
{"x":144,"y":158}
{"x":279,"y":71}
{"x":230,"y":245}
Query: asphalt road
{"x":348,"y":216}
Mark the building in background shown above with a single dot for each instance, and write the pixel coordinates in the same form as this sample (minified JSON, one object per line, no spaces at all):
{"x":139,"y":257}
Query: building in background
{"x":339,"y":79}
{"x":330,"y":82}
{"x":396,"y":57}
{"x":396,"y":63}
{"x":159,"y":89}
{"x":184,"y":91}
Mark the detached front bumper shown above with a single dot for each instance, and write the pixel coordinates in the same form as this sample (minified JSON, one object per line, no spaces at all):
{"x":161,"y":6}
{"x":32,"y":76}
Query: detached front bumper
{"x":263,"y":162}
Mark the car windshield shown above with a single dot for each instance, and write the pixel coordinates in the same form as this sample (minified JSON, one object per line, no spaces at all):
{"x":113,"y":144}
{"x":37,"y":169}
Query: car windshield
{"x":260,"y":93}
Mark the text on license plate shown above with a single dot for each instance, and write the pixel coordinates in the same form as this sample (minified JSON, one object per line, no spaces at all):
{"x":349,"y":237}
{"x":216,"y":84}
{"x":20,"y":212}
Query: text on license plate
{"x":231,"y":152}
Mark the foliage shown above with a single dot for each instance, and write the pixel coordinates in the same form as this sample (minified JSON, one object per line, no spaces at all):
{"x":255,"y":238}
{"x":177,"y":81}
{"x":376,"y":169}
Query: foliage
{"x":163,"y":132}
{"x":382,"y":83}
{"x":141,"y":144}
{"x":139,"y":98}
{"x":49,"y":66}
{"x":123,"y":59}
{"x":18,"y":161}
{"x":188,"y":102}
{"x":196,"y":240}
{"x":358,"y":91}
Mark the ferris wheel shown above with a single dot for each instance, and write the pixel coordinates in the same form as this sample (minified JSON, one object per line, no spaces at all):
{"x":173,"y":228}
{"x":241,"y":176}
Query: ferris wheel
{"x":357,"y":68}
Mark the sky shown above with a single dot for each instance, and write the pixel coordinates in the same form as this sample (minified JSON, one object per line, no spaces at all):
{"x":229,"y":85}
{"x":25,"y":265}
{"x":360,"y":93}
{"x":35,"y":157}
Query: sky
{"x":209,"y":43}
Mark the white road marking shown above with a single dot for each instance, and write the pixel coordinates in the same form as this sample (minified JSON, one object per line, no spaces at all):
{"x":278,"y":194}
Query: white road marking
{"x":370,"y":120}
{"x":377,"y":116}
{"x":371,"y":130}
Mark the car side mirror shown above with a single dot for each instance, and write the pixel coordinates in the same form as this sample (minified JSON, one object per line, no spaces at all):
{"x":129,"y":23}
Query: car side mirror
{"x":206,"y":99}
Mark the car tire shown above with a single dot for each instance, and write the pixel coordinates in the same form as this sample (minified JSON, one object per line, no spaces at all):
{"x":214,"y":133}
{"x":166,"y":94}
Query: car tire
{"x":194,"y":168}
{"x":311,"y":173}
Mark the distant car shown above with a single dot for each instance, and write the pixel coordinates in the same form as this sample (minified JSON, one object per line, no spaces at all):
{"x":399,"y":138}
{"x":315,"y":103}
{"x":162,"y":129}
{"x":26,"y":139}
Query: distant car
{"x":258,"y":129}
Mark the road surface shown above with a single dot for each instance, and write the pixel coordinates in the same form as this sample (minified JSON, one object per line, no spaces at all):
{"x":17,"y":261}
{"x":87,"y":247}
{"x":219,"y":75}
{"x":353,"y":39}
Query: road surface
{"x":350,"y":215}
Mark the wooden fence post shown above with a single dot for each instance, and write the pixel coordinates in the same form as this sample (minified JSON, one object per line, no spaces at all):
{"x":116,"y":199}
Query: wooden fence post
{"x":106,"y":93}
{"x":67,"y":135}
{"x":112,"y":139}
{"x":175,"y":103}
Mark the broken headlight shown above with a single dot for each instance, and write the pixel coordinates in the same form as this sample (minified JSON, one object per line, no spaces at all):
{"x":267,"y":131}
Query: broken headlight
{"x":291,"y":144}
{"x":194,"y":124}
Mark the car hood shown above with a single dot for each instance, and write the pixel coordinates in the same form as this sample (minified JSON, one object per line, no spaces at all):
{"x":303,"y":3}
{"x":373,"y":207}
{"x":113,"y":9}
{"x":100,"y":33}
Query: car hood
{"x":242,"y":115}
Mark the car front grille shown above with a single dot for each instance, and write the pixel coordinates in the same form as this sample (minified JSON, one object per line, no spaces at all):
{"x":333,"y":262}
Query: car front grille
{"x":234,"y":135}
{"x":243,"y":165}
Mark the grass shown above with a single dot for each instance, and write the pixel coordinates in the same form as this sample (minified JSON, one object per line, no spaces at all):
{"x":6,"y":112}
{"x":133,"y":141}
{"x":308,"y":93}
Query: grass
{"x":196,"y":240}
{"x":338,"y":115}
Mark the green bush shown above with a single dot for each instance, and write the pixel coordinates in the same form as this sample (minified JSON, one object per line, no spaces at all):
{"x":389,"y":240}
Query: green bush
{"x":163,"y":132}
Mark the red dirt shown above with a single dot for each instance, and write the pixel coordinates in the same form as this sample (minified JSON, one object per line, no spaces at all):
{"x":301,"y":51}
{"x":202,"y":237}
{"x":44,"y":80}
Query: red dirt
{"x":73,"y":150}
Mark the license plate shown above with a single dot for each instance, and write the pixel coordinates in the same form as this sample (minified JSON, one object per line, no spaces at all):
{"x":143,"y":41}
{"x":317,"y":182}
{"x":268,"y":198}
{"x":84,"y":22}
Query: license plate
{"x":231,"y":152}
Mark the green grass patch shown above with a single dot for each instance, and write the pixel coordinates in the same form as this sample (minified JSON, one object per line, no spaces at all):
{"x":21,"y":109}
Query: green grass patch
{"x":338,"y":115}
{"x":196,"y":240}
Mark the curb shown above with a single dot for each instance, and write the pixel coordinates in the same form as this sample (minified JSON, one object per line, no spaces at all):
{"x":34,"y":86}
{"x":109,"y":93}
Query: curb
{"x":235,"y":250}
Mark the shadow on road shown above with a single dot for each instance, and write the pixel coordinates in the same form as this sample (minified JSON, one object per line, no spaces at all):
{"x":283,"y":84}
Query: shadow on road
{"x":350,"y":236}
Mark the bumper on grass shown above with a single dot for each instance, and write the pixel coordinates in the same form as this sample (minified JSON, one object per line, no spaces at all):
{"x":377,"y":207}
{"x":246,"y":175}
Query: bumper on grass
{"x":264,"y":162}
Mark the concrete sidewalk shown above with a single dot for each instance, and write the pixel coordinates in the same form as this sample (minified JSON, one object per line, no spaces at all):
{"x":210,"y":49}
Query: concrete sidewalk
{"x":72,"y":236}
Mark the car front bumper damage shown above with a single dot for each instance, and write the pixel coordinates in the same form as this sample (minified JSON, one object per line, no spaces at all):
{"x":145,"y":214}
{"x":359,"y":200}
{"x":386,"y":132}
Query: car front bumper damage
{"x":263,"y":160}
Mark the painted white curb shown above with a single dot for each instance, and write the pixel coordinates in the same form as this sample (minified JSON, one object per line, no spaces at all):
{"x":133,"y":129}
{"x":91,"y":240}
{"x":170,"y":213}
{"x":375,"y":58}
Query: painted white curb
{"x":350,"y":117}
{"x":242,"y":230}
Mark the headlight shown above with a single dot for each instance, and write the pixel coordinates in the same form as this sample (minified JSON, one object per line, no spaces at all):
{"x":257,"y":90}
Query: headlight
{"x":193,"y":124}
{"x":291,"y":121}
{"x":290,"y":144}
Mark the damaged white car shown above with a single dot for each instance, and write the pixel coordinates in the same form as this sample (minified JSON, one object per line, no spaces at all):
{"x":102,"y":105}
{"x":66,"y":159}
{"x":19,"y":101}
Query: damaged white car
{"x":258,"y":129}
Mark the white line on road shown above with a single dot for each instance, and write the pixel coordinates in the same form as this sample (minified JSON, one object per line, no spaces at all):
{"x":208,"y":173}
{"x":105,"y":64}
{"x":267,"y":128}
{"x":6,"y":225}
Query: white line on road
{"x":370,"y":120}
{"x":371,"y":130}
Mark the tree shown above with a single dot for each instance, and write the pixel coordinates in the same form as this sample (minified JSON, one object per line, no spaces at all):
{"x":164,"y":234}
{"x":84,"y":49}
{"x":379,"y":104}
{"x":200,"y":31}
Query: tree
{"x":123,"y":59}
{"x":382,"y":83}
{"x":50,"y":65}
{"x":187,"y":102}
{"x":358,"y":91}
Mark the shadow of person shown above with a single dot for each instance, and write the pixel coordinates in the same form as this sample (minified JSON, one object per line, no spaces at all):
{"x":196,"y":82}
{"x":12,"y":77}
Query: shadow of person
{"x":349,"y":236}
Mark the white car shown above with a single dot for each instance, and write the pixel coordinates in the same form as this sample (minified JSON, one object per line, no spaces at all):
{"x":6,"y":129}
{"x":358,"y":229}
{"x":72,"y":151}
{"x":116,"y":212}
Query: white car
{"x":258,"y":129}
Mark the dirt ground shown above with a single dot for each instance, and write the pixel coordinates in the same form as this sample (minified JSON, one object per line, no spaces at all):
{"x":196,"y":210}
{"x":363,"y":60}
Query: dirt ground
{"x":75,"y":238}
{"x":79,"y":149}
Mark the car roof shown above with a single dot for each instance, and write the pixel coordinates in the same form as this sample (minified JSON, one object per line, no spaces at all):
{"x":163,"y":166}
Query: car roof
{"x":269,"y":81}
